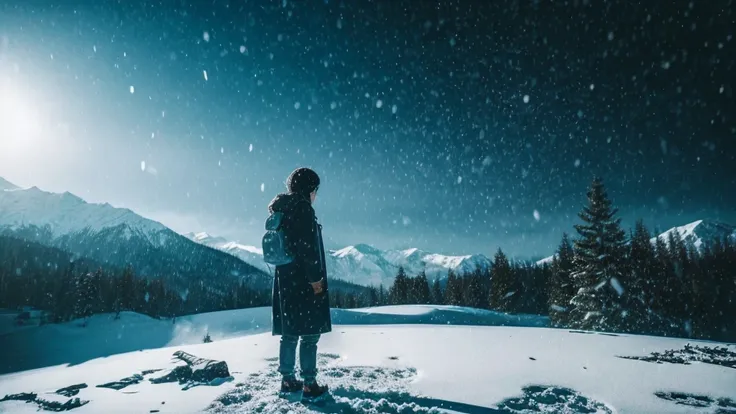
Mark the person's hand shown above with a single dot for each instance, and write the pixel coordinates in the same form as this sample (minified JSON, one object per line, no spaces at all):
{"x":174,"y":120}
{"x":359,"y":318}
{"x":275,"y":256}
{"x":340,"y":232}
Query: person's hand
{"x":318,"y":286}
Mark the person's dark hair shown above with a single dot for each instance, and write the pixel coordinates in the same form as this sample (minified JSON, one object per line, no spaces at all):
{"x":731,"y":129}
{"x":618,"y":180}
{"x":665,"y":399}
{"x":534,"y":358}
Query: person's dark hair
{"x":302,"y":181}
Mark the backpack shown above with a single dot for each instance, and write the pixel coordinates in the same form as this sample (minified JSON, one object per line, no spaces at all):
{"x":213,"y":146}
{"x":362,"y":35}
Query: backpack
{"x":273,"y":243}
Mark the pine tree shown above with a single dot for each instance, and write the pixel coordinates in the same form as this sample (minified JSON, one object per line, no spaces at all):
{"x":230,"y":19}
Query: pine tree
{"x":423,"y":294}
{"x":453,"y":290}
{"x":399,"y":292}
{"x":502,"y":283}
{"x":598,"y":272}
{"x":561,"y":286}
{"x":383,"y":299}
{"x":85,"y":295}
{"x":641,"y":283}
{"x":373,"y":297}
{"x":474,"y":294}
{"x":437,"y":296}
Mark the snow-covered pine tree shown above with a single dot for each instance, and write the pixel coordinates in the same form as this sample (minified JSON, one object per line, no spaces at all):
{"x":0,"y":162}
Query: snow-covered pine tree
{"x":502,"y":283}
{"x":561,"y":286}
{"x":599,"y":265}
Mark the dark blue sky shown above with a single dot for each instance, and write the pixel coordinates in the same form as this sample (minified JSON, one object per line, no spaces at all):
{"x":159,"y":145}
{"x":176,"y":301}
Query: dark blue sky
{"x":439,"y":127}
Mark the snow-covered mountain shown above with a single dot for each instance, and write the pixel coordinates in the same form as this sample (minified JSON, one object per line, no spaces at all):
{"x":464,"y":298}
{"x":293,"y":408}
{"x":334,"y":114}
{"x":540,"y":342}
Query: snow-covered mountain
{"x":250,"y":254}
{"x":700,"y":233}
{"x":362,"y":264}
{"x":116,"y":236}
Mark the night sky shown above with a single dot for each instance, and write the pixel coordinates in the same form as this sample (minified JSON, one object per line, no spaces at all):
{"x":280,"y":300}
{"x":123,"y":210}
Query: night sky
{"x":457,"y":128}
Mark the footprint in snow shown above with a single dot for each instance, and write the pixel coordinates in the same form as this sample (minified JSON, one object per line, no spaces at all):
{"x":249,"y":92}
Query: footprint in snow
{"x":354,"y":390}
{"x":551,"y":399}
{"x":723,"y":405}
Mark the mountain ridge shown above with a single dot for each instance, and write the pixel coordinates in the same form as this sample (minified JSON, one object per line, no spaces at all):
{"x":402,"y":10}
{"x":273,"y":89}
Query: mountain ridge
{"x":362,"y":263}
{"x":116,"y":236}
{"x":700,"y":233}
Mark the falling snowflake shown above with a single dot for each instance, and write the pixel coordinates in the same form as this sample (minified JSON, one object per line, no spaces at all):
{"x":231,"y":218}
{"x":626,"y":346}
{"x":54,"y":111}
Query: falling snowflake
{"x":206,"y":36}
{"x":617,"y":286}
{"x":333,"y":105}
{"x":577,"y":162}
{"x":143,"y":166}
{"x":526,"y":98}
{"x":250,"y":148}
{"x":222,"y":150}
{"x":379,"y":104}
{"x":610,"y":36}
{"x":242,"y":49}
{"x":263,"y":187}
{"x":204,"y":72}
{"x":132,"y":89}
{"x":592,"y":86}
{"x":297,"y":105}
{"x":394,"y":108}
{"x":536,"y":215}
{"x":459,"y":179}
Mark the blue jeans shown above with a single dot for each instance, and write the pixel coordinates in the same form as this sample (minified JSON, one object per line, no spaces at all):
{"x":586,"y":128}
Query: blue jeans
{"x":307,"y":356}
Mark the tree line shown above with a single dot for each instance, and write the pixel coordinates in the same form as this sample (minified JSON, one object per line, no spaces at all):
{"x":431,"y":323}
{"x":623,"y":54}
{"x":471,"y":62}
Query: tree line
{"x":67,"y":288}
{"x":602,"y":279}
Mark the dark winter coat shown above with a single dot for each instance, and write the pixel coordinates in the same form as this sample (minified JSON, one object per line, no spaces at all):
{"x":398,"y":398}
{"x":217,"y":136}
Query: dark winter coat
{"x":296,"y":308}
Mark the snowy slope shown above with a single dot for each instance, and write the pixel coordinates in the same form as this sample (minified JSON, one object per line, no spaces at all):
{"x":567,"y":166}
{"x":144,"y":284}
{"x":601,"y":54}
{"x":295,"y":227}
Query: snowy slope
{"x":362,"y":264}
{"x":29,"y":348}
{"x":700,"y":233}
{"x":397,"y":369}
{"x":6,"y":185}
{"x":110,"y":235}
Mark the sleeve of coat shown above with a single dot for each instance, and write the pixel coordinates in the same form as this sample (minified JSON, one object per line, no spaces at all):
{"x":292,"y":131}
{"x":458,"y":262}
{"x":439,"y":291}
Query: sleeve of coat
{"x":305,"y":241}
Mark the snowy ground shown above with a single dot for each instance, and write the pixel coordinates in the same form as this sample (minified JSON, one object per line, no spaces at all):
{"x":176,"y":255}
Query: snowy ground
{"x":393,"y":368}
{"x":26,"y":348}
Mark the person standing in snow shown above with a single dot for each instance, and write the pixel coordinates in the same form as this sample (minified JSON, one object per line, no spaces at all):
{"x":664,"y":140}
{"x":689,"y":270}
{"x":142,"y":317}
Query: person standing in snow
{"x":301,"y":306}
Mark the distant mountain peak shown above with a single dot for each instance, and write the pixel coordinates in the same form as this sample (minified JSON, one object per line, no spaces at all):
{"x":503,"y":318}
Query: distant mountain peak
{"x":362,"y":263}
{"x":357,"y":250}
{"x":700,"y":232}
